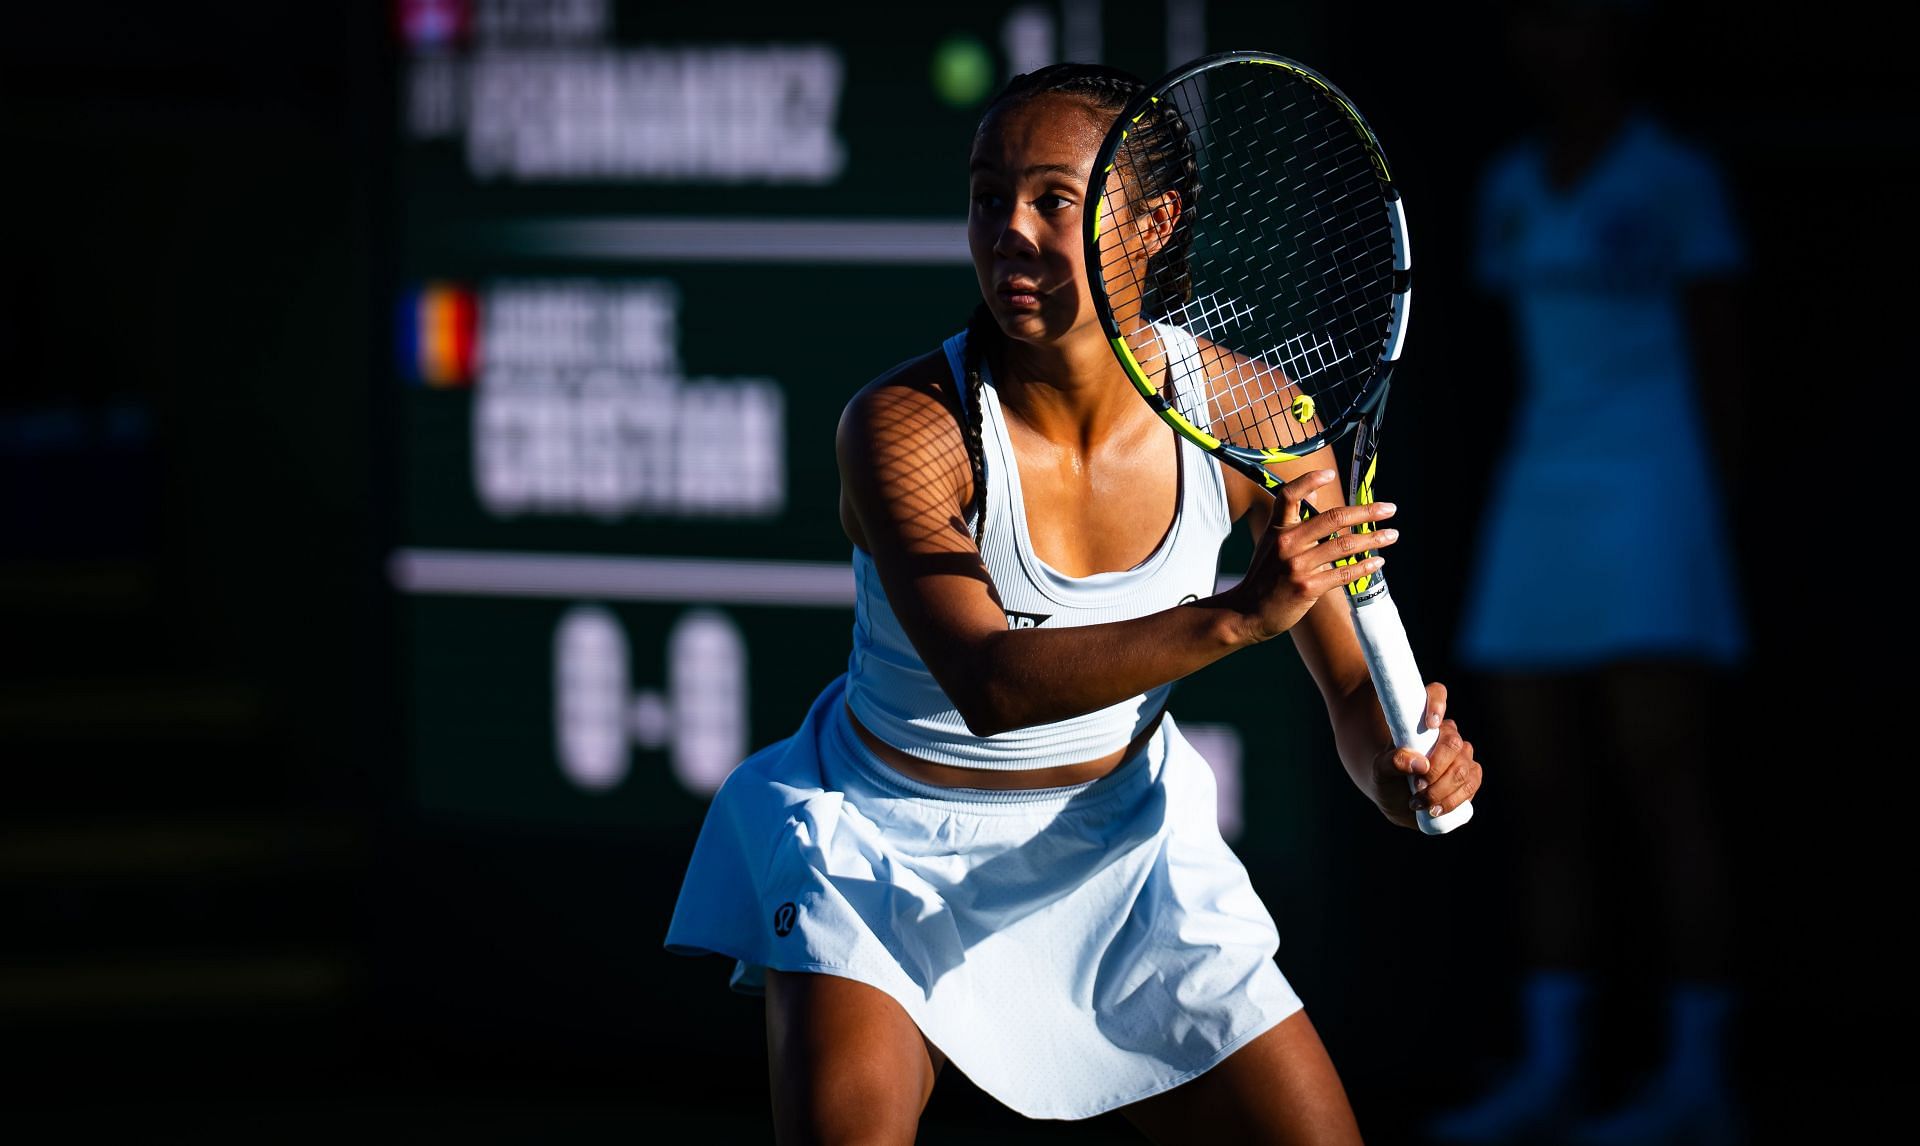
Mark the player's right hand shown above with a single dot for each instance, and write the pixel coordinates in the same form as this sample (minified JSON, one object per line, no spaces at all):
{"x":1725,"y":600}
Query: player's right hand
{"x":1294,"y":563}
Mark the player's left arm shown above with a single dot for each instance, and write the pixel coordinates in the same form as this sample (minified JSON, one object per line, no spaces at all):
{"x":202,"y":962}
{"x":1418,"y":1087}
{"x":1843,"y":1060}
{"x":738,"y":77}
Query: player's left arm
{"x":1446,"y":777}
{"x":1331,"y":652}
{"x":1325,"y":636}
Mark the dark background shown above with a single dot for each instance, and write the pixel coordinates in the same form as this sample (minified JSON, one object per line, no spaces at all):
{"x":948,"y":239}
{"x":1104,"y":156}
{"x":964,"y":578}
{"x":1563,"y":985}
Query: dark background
{"x":230,"y":913}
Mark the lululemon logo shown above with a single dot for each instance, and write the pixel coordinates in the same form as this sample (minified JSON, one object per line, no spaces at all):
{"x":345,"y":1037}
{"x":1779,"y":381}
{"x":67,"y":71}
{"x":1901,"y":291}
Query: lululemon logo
{"x":783,"y":919}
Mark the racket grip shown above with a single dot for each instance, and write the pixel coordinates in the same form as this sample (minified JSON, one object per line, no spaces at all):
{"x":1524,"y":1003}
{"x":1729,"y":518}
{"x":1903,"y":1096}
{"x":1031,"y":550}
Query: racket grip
{"x":1402,"y":691}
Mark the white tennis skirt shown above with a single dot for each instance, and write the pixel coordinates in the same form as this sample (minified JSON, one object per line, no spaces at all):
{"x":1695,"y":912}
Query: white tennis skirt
{"x":1071,"y":949}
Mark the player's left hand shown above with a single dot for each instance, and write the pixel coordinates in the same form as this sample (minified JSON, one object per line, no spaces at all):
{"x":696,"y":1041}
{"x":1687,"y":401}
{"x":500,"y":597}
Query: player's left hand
{"x":1444,"y":778}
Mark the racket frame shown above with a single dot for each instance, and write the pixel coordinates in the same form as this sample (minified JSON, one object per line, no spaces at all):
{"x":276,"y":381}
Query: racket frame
{"x":1249,"y":461}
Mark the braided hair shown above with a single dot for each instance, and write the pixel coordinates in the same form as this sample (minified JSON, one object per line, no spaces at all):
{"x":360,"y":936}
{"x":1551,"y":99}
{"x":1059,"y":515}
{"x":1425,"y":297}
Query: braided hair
{"x":1163,"y":160}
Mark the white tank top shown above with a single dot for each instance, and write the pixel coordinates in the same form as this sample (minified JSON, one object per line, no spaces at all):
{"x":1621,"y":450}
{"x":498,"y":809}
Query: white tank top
{"x":888,"y":686}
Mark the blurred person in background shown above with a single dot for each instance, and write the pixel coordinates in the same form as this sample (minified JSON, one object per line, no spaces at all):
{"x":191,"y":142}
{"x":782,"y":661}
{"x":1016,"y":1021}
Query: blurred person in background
{"x":1606,"y":613}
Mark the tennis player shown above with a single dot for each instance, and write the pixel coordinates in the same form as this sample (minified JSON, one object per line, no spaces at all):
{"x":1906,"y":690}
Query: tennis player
{"x":989,"y":843}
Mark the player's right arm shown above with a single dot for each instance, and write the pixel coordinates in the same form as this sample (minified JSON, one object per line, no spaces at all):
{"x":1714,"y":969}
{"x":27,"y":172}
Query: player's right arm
{"x":905,"y":487}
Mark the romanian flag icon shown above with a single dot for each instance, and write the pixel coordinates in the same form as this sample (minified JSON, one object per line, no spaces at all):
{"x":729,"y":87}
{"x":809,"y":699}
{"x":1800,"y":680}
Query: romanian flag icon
{"x":438,"y":332}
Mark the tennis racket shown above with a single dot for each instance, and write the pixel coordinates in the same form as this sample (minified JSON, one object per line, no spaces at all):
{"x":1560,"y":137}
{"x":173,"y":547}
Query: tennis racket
{"x":1249,"y":260}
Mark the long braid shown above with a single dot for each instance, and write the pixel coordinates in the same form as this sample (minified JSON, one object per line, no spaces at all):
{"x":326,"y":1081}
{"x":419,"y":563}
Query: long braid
{"x":980,"y":327}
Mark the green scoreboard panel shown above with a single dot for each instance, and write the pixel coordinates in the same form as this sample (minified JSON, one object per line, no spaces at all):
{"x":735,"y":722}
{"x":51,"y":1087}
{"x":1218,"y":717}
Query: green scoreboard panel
{"x":646,"y":254}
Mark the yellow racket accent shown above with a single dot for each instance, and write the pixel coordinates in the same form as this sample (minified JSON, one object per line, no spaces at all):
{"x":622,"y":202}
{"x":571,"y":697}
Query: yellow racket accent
{"x":1100,"y":208}
{"x":1362,"y":496}
{"x":1141,"y":383}
{"x":1303,"y":409}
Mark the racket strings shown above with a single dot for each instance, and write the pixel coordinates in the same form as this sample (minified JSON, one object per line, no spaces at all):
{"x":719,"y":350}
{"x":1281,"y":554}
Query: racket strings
{"x":1288,"y":248}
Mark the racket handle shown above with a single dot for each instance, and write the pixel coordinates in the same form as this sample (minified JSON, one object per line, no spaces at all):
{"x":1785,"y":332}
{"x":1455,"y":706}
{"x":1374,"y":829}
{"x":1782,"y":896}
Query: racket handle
{"x":1402,"y":691}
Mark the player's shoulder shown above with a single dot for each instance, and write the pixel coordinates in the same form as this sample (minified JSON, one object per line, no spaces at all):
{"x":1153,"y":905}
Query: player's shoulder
{"x":924,"y":374}
{"x":1219,"y":352}
{"x":1228,"y":368}
{"x":1265,"y":391}
{"x":912,"y":404}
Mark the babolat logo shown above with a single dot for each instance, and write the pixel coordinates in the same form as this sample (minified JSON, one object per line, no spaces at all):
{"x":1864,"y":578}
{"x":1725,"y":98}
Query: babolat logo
{"x":1026,"y":620}
{"x":1367,"y":589}
{"x":783,"y":919}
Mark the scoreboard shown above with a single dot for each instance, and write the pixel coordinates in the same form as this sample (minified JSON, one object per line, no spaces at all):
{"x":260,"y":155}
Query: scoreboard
{"x":645,"y":255}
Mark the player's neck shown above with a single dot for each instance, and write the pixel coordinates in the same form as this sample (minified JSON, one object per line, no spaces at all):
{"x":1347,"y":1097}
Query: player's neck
{"x":1069,"y":390}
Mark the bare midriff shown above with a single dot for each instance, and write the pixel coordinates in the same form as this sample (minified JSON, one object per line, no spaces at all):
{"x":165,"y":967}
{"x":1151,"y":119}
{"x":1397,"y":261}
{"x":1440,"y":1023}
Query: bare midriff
{"x":1000,"y":779}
